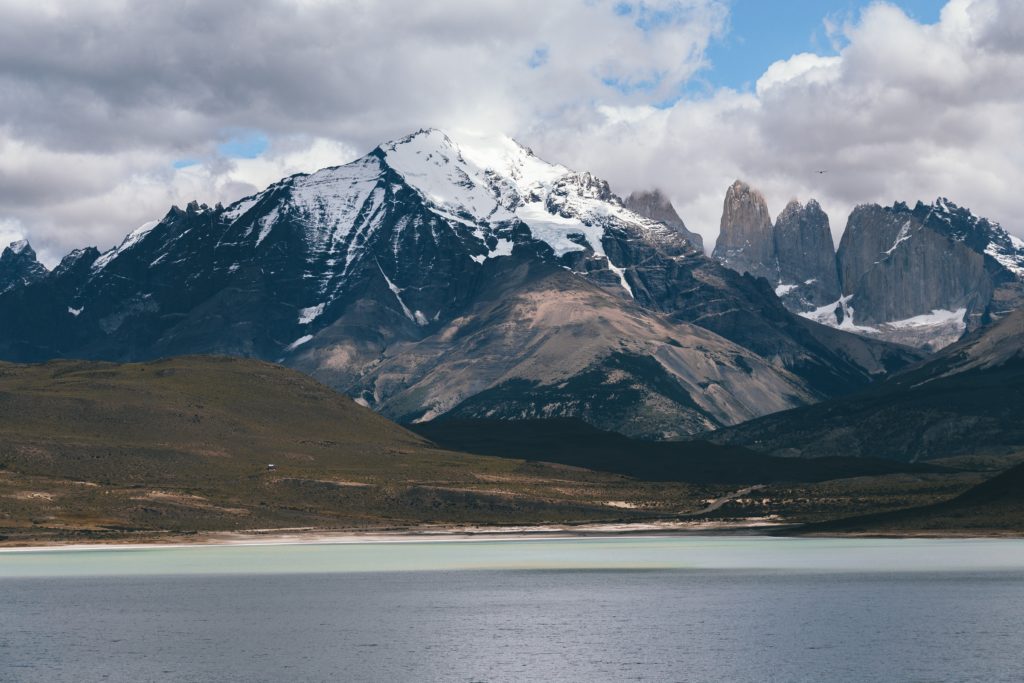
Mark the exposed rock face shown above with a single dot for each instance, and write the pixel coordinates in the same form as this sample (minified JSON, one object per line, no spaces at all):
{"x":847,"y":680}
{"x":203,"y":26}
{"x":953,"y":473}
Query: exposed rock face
{"x":923,"y":272}
{"x":19,"y":267}
{"x":964,"y":400}
{"x":919,"y":276}
{"x":655,"y":205}
{"x":806,"y":257}
{"x":871,"y":231}
{"x":796,"y":254}
{"x":745,"y":241}
{"x":924,"y":276}
{"x":429,"y":278}
{"x":539,"y":342}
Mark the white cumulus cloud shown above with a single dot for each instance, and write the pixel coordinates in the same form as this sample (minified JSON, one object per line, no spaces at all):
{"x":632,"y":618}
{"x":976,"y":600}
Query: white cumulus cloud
{"x":904,"y":111}
{"x":110,"y":111}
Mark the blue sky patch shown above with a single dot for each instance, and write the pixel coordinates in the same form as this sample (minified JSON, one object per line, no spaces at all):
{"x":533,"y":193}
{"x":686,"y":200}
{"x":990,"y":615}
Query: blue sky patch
{"x":629,"y":86}
{"x":539,"y":58}
{"x":244,"y":145}
{"x":762,"y":32}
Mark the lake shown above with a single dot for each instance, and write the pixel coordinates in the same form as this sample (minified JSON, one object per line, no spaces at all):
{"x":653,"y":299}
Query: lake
{"x":683,"y":608}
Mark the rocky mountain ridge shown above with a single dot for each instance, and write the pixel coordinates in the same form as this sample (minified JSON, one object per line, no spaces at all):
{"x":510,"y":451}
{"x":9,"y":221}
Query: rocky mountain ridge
{"x":431,"y":277}
{"x":927,"y":274}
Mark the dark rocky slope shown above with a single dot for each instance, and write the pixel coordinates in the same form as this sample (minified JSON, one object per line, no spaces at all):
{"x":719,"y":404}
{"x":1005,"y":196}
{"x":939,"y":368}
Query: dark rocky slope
{"x":965,"y":401}
{"x":576,"y":443}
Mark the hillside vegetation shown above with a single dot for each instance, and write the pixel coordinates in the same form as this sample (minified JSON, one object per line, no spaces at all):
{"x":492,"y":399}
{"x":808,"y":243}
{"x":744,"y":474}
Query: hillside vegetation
{"x":96,"y":450}
{"x":102,"y":451}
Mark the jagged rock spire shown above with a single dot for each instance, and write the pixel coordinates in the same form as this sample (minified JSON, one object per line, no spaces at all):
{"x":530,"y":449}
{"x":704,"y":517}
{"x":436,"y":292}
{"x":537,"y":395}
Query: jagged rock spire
{"x":806,"y":255}
{"x":795,"y":254}
{"x":745,"y":241}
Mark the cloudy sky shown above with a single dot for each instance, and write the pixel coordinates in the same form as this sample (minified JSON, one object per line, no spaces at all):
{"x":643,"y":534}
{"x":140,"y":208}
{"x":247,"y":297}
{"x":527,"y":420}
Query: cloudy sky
{"x":112,"y":110}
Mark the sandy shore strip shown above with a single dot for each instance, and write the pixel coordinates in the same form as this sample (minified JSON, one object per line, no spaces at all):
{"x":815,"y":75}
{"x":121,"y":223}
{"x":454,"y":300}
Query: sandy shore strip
{"x":422,"y":534}
{"x":470,"y":534}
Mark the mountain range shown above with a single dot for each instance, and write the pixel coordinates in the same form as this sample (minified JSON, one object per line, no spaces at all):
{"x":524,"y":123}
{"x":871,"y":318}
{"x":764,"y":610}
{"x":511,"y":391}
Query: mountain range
{"x":434,"y":278}
{"x":520,"y":311}
{"x":921,"y":276}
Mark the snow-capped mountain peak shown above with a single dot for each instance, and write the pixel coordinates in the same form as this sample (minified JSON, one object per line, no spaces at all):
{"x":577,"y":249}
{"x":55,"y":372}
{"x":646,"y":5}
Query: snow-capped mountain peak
{"x":504,"y":156}
{"x":133,"y":238}
{"x":18,"y":266}
{"x":438,"y":275}
{"x":432,"y":163}
{"x":495,"y":181}
{"x":490,"y":184}
{"x":412,"y":221}
{"x":978,"y":233}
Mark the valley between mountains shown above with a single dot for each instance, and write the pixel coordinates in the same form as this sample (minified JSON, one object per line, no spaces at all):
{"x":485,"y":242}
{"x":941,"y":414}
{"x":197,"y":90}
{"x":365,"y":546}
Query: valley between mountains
{"x":559,"y":353}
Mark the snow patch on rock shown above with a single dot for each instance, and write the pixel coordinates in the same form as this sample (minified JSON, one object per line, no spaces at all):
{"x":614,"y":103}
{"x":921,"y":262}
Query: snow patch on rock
{"x":308,"y":315}
{"x":827,"y":315}
{"x":936,"y":317}
{"x":133,"y":238}
{"x":18,"y":246}
{"x":298,"y":342}
{"x":783,"y":290}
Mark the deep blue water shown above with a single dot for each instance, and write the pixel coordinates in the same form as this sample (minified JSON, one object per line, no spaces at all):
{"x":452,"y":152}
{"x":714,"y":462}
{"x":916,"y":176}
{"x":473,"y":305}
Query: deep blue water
{"x":683,"y":609}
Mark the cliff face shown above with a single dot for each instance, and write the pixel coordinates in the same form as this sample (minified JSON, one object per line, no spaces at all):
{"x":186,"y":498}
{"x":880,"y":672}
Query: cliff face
{"x":746,"y":242}
{"x":871,"y":231}
{"x":919,"y":271}
{"x":920,"y":276}
{"x":806,"y":257}
{"x":963,"y":400}
{"x":929,"y":273}
{"x":655,"y":205}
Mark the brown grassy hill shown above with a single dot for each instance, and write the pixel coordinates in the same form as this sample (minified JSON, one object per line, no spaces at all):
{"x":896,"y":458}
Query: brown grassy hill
{"x":93,"y":449}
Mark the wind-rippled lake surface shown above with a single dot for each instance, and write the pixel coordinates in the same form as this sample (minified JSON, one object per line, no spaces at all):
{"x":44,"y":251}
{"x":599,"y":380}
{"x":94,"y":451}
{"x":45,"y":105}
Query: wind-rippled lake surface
{"x":658,"y":609}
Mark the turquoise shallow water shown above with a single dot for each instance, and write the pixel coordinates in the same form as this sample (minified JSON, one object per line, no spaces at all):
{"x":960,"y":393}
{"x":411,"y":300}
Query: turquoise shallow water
{"x":665,"y":552}
{"x":682,"y":608}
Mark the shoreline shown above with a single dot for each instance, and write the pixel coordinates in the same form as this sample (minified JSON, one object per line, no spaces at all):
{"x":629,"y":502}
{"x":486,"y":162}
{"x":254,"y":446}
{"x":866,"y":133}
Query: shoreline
{"x":420,"y":534}
{"x":470,"y":534}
